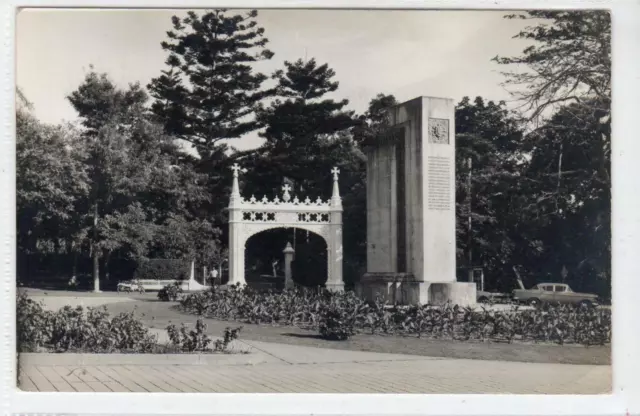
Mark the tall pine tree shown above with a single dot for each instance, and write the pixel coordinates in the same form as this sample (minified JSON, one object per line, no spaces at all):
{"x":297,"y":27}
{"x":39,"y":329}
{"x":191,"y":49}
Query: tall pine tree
{"x":301,"y":128}
{"x":210,"y":91}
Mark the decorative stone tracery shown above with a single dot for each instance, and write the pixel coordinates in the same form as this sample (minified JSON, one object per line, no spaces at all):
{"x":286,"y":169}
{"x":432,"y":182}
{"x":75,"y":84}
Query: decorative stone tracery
{"x":249,"y":217}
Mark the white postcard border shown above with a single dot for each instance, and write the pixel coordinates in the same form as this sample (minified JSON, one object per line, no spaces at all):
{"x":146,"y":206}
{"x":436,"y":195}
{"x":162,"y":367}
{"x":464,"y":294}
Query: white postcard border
{"x":625,"y":398}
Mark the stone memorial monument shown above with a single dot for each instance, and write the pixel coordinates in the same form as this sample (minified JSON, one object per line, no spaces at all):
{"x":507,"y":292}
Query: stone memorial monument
{"x":411,"y":224}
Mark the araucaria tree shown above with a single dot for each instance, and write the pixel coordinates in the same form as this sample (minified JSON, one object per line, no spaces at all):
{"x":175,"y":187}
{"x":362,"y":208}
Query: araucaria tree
{"x":210,"y":91}
{"x":302,"y":126}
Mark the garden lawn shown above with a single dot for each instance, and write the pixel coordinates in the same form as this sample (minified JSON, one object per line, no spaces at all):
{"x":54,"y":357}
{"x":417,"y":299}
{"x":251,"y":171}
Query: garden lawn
{"x":159,"y":315}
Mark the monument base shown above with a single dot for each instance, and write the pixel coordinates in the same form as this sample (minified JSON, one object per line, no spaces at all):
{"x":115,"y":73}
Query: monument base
{"x":403,"y":289}
{"x":334,"y":287}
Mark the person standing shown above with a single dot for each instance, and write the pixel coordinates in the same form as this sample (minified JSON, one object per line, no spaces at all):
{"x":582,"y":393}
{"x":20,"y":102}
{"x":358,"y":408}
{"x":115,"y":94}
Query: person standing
{"x":214,"y":276}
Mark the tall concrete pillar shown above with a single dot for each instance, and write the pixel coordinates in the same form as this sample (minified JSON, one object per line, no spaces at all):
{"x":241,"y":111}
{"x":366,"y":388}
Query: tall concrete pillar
{"x":411,"y":224}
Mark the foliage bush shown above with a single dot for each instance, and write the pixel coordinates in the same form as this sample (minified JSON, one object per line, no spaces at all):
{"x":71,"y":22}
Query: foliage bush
{"x":333,"y":314}
{"x":337,"y":322}
{"x":197,"y":340}
{"x":93,"y":330}
{"x":190,"y":341}
{"x":162,"y":269}
{"x":170,"y":292}
{"x":230,"y":334}
{"x":76,"y":329}
{"x":31,"y":324}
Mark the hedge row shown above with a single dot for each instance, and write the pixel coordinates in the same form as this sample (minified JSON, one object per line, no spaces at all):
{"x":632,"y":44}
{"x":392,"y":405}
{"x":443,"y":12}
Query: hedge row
{"x":162,"y":269}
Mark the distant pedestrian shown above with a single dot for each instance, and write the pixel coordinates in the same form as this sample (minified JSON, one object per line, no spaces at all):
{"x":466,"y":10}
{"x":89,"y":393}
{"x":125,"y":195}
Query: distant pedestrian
{"x":214,"y":276}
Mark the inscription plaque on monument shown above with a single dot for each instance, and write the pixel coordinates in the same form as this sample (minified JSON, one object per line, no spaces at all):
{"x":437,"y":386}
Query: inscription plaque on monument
{"x":439,"y":180}
{"x":439,"y":131}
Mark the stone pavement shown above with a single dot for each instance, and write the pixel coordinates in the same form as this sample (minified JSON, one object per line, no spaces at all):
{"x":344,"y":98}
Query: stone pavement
{"x":277,"y":368}
{"x":262,"y":367}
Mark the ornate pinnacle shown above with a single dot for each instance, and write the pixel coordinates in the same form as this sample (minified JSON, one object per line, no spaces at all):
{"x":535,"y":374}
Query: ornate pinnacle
{"x":335,"y":197}
{"x":235,"y":168}
{"x":235,"y":187}
{"x":286,"y":197}
{"x":335,"y":172}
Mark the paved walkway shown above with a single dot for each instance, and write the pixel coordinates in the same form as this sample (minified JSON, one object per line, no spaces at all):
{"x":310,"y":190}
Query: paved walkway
{"x":260,"y":367}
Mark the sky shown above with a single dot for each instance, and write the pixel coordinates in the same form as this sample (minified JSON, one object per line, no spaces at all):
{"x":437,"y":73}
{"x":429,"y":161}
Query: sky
{"x":406,"y":53}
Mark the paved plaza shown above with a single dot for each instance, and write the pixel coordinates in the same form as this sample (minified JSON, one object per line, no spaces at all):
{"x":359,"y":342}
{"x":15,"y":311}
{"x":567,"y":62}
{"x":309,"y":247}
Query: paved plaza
{"x":260,"y":367}
{"x":266,"y":367}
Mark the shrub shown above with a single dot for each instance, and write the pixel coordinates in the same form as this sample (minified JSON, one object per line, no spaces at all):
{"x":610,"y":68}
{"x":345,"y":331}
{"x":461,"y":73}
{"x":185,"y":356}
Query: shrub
{"x":190,"y":341}
{"x":197,"y":340}
{"x":170,"y":292}
{"x":339,"y":315}
{"x":198,"y":302}
{"x":221,"y":345}
{"x":336,"y":323}
{"x":74,"y":329}
{"x":32,"y":324}
{"x":162,"y":269}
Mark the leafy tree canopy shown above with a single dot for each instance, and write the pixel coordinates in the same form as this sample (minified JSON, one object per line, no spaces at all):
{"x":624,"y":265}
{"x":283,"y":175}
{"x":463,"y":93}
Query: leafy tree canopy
{"x":569,"y":60}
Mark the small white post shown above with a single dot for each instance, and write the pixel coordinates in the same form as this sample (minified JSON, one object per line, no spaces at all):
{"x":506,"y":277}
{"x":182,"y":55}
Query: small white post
{"x":192,"y":274}
{"x":288,"y":258}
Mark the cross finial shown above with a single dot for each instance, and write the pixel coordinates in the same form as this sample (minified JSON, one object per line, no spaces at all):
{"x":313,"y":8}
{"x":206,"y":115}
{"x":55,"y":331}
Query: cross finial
{"x":235,"y":187}
{"x":286,"y":188}
{"x":235,"y":168}
{"x":335,"y":197}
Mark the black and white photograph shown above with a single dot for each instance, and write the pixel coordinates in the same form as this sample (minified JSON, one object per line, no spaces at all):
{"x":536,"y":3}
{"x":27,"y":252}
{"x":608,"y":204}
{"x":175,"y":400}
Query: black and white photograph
{"x":313,"y":201}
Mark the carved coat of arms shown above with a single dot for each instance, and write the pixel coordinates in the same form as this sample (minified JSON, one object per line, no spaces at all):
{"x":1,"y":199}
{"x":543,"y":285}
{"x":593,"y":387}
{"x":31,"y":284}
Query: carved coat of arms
{"x":438,"y":131}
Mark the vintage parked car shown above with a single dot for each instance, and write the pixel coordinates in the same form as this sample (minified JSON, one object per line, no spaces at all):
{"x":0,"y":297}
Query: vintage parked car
{"x":492,"y":297}
{"x":553,"y":293}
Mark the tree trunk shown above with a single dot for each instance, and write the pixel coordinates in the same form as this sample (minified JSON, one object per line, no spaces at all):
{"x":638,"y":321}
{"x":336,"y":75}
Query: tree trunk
{"x":559,"y":176}
{"x":96,"y":252}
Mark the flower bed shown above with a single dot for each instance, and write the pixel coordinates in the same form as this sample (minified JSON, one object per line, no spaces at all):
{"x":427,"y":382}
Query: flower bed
{"x":338,"y":315}
{"x":93,"y":330}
